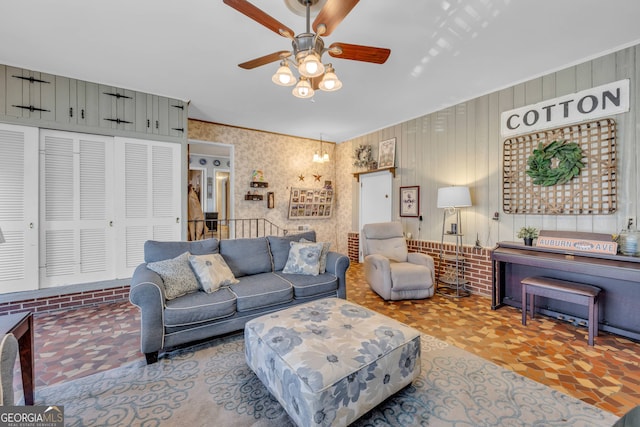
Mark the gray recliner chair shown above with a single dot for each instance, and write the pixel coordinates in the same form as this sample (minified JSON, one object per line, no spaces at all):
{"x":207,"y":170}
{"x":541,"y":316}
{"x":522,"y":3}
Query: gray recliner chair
{"x":389,"y":268}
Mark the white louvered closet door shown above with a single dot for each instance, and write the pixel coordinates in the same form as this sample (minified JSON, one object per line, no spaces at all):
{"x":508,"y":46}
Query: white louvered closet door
{"x":148,"y":184}
{"x":76,"y":208}
{"x":18,"y":208}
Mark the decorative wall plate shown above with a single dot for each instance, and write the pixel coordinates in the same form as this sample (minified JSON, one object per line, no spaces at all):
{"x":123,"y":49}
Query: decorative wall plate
{"x":203,"y":161}
{"x":216,"y":162}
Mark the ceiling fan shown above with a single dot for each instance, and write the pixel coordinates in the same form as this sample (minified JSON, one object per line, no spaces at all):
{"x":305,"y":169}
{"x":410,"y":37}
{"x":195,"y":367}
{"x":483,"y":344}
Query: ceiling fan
{"x":308,"y":47}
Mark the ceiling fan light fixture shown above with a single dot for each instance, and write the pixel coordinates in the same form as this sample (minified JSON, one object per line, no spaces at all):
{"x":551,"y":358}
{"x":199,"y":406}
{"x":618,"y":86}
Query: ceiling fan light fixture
{"x":330,"y":81}
{"x":284,"y":76}
{"x":311,"y":66}
{"x":303,"y":89}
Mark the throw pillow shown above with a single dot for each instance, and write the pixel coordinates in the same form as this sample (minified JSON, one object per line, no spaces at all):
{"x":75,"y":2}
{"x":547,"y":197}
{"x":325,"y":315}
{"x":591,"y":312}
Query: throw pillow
{"x":212,"y":272}
{"x":304,"y":258}
{"x":176,"y":274}
{"x":323,"y":255}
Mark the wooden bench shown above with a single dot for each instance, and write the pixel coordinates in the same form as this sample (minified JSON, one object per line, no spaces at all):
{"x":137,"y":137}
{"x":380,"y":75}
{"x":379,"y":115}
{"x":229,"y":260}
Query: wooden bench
{"x":562,"y":290}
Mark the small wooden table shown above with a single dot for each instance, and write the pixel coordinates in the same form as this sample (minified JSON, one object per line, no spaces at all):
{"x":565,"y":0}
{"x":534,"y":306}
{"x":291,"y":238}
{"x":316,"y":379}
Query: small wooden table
{"x":21,"y":326}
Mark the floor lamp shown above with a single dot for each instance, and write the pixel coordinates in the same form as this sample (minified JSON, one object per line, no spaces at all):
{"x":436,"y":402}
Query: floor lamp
{"x":451,"y":199}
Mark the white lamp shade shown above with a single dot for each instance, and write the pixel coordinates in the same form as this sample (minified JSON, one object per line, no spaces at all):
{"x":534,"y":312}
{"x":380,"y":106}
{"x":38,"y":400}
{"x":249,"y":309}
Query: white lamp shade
{"x":284,"y":77}
{"x":1,"y":236}
{"x":454,"y":197}
{"x":311,"y":66}
{"x":303,"y":89}
{"x":330,"y":82}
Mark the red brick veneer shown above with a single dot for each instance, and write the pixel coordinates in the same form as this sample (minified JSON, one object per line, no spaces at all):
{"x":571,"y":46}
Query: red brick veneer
{"x":477,"y":268}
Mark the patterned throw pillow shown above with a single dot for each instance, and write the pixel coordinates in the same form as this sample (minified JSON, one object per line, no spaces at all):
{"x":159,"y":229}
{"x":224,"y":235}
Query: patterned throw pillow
{"x":304,"y":258}
{"x":212,"y":272}
{"x":176,"y":274}
{"x":323,"y":255}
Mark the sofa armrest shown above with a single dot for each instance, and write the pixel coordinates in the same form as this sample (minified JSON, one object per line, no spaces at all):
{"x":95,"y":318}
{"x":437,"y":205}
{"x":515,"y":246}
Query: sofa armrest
{"x":423,"y":259}
{"x":337,"y":264}
{"x":147,"y":293}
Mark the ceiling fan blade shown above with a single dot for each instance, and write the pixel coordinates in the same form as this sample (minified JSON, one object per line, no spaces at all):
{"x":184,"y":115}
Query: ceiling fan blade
{"x":263,"y":60}
{"x":332,"y":14}
{"x":356,"y":52}
{"x":246,"y":8}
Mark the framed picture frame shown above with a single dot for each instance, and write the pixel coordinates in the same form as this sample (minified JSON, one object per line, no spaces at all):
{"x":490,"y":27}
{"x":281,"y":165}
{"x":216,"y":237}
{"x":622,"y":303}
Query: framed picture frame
{"x":410,"y":201}
{"x":310,"y":203}
{"x":387,"y":153}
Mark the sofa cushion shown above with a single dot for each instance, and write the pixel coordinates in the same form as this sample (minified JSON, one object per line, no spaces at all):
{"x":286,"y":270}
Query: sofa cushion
{"x":199,"y":307}
{"x":323,"y":256}
{"x":157,"y":251}
{"x":211,"y":271}
{"x":304,"y":258}
{"x":305,"y":286}
{"x":280,"y":247}
{"x":261,"y":290}
{"x":246,"y":256}
{"x":177,"y":275}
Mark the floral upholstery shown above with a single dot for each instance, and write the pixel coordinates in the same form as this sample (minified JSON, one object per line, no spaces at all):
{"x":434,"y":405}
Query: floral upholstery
{"x":330,"y":361}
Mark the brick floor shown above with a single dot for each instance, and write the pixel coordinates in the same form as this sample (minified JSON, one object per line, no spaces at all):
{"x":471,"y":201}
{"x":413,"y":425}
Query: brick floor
{"x":75,"y":343}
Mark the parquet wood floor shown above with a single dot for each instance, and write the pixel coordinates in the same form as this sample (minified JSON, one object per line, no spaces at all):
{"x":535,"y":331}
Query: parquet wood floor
{"x":76,"y":343}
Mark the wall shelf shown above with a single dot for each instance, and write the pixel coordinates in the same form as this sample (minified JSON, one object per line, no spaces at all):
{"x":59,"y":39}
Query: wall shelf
{"x":391,"y":170}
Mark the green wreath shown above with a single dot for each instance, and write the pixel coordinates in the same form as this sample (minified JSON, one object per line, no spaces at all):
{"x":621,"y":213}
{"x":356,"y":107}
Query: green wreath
{"x":569,"y":156}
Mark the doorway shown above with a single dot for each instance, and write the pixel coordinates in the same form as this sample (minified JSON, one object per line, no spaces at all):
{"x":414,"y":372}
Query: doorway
{"x":375,"y":199}
{"x":211,"y":165}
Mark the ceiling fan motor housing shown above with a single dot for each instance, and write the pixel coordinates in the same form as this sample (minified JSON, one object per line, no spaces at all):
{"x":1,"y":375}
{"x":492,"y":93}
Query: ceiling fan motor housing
{"x":304,"y":44}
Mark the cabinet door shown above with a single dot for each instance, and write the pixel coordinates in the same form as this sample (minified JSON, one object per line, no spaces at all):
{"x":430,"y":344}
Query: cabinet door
{"x":29,"y":94}
{"x":88,"y":104}
{"x":177,"y":118}
{"x":117,"y":108}
{"x":76,"y":208}
{"x":3,"y":90}
{"x":66,"y":110}
{"x":148,"y":191}
{"x":19,"y":208}
{"x":143,"y":116}
{"x":162,"y":117}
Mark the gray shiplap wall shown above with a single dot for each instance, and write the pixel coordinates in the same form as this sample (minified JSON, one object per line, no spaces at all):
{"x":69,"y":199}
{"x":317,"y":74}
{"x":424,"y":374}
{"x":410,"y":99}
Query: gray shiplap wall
{"x":461,"y":145}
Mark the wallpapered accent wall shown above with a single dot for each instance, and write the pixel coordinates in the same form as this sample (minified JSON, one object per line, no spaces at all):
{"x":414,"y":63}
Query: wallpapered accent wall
{"x":282,"y":158}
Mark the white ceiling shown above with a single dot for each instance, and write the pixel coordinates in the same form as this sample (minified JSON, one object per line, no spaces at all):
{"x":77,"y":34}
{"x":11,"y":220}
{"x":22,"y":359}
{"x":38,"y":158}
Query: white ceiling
{"x":442,"y":52}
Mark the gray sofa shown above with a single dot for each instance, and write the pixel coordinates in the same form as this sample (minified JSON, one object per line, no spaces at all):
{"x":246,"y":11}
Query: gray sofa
{"x":263,"y":288}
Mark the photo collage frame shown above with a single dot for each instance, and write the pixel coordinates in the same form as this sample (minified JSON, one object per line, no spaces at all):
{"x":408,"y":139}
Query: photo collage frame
{"x":310,"y":203}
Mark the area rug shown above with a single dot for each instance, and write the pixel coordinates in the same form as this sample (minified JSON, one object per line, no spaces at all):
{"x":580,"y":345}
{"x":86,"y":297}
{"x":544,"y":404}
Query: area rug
{"x":211,"y":385}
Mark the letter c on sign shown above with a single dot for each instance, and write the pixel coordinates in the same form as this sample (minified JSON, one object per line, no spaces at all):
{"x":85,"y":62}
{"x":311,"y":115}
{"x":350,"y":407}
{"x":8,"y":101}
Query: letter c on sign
{"x":509,"y":125}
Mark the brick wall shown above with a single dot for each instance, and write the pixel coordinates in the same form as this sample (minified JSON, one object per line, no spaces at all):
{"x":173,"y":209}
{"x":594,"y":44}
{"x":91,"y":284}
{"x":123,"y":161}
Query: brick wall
{"x":65,"y":302}
{"x":477,"y":266}
{"x":353,"y":246}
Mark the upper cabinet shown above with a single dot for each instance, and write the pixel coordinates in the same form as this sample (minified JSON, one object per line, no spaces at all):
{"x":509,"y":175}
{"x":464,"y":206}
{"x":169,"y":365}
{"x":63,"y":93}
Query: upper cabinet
{"x":29,"y":94}
{"x":117,"y":108}
{"x":40,"y":99}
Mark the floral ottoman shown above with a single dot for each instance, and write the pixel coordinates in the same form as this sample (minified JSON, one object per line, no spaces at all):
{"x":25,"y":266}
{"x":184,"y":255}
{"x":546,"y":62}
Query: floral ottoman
{"x":330,"y":361}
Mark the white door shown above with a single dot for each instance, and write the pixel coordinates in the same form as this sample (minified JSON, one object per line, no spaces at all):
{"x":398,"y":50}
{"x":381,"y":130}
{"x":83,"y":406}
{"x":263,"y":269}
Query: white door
{"x":375,"y":199}
{"x":148,"y":188}
{"x":18,"y":208}
{"x":76,"y":208}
